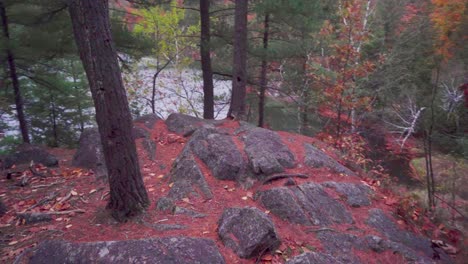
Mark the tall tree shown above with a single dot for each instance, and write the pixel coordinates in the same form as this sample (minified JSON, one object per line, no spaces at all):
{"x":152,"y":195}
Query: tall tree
{"x":263,"y":74}
{"x":208,"y":100}
{"x":239,"y":75}
{"x":14,"y":76}
{"x":91,"y":27}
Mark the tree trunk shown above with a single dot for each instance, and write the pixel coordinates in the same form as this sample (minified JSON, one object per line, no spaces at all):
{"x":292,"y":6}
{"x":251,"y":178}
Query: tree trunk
{"x":239,"y":75}
{"x":263,"y":75}
{"x":208,"y":94}
{"x":14,"y":77}
{"x":91,"y":27}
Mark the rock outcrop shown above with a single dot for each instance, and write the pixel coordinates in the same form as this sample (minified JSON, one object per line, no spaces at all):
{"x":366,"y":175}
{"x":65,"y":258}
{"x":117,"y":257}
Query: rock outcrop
{"x":239,"y":180}
{"x":177,"y":250}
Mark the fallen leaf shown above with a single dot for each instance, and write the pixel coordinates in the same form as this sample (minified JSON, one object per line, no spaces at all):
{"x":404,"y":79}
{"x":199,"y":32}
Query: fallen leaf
{"x":150,"y":189}
{"x":74,"y":193}
{"x":92,"y":191}
{"x":13,"y":243}
{"x":245,"y":198}
{"x":160,"y":176}
{"x":68,"y":226}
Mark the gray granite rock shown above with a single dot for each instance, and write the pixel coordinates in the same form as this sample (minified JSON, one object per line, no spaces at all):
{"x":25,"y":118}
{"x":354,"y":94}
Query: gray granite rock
{"x":316,"y":158}
{"x":306,"y":204}
{"x":248,"y":231}
{"x":90,"y":154}
{"x":218,"y":151}
{"x":148,"y":120}
{"x":26,"y":153}
{"x":187,"y":178}
{"x":169,"y":250}
{"x":266,"y":152}
{"x":357,"y":195}
{"x":314,"y":258}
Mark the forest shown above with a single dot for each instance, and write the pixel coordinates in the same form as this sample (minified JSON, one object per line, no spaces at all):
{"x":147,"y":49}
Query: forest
{"x":381,"y":86}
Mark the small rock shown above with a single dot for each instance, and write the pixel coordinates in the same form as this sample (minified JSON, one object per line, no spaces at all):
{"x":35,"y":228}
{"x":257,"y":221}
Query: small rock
{"x":165,"y":204}
{"x":248,"y":231}
{"x":185,"y":211}
{"x":375,"y":243}
{"x":32,"y":218}
{"x":167,"y":227}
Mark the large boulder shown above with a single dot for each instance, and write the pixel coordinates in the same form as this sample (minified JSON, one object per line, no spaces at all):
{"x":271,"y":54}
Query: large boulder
{"x":187,"y":178}
{"x":248,"y":231}
{"x":176,"y":250}
{"x":26,"y":153}
{"x":148,"y":120}
{"x":316,"y":158}
{"x":183,"y":124}
{"x":306,"y":204}
{"x":90,"y":154}
{"x":266,"y":152}
{"x":218,"y":151}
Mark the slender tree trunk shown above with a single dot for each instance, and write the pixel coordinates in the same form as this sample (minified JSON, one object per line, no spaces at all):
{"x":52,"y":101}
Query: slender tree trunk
{"x":91,"y":27}
{"x":305,"y":100}
{"x":239,"y":75}
{"x":14,"y":77}
{"x":75,"y":85}
{"x":54,"y":119}
{"x":263,"y":74}
{"x":208,"y":93}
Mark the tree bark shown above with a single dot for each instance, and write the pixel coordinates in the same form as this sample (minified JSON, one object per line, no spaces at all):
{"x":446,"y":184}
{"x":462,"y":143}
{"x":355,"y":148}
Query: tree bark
{"x":14,"y":77}
{"x":208,"y":93}
{"x":91,"y":27}
{"x":239,"y":75}
{"x":263,"y":74}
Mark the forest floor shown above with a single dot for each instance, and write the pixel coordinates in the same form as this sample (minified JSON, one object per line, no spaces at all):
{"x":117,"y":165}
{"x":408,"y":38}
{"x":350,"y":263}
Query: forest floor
{"x":76,"y":203}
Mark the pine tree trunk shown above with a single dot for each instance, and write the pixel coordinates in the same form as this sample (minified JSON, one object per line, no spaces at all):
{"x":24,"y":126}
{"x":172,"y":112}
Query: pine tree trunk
{"x":239,"y":75}
{"x":91,"y":27}
{"x":208,"y":94}
{"x":14,"y":77}
{"x":263,"y":74}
